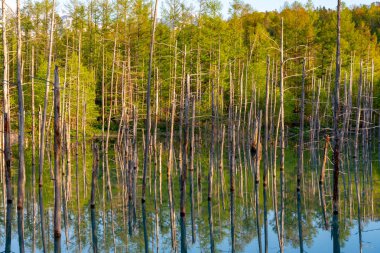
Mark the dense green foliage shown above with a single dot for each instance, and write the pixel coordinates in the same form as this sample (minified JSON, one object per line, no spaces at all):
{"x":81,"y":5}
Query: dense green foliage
{"x":214,"y":45}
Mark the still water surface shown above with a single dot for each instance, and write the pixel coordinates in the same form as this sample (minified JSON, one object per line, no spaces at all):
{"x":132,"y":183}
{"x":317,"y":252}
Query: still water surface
{"x":230,"y":223}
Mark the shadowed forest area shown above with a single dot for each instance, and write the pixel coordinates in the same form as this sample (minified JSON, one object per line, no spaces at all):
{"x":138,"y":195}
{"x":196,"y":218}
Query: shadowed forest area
{"x":167,"y":126}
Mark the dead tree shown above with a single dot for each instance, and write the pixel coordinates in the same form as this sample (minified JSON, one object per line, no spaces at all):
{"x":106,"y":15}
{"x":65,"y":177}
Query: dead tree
{"x":212,"y":146}
{"x":266,"y":138}
{"x":282,"y":63}
{"x":57,"y":156}
{"x":148,"y":116}
{"x":43,"y":123}
{"x":77,"y":119}
{"x":231,"y":137}
{"x":336,"y":110}
{"x":302,"y":119}
{"x":33,"y":129}
{"x":326,"y":151}
{"x":6,"y":108}
{"x":84,"y":141}
{"x":95,"y":168}
{"x":21,"y":118}
{"x":170,"y":167}
{"x":185,"y":148}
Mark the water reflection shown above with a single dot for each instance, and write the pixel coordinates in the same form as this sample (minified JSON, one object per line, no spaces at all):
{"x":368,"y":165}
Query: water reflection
{"x":57,"y":245}
{"x":232,"y":218}
{"x":211,"y":226}
{"x":258,"y":226}
{"x":276,"y":218}
{"x":266,"y":218}
{"x":94,"y":231}
{"x":182,"y":222}
{"x":146,"y":242}
{"x":42,"y":220}
{"x":335,"y":233}
{"x":8,"y":228}
{"x":323,"y":205}
{"x":20,"y":225}
{"x":299,"y":216}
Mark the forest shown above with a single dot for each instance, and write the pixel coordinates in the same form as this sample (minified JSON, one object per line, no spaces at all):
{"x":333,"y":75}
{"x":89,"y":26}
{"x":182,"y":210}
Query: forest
{"x":169,"y":126}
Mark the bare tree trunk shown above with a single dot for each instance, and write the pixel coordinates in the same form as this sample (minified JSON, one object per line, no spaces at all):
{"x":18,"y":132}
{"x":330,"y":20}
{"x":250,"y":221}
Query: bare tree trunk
{"x":184,"y":165}
{"x":356,"y":147}
{"x":192,"y":157}
{"x":282,"y":63}
{"x":212,"y":146}
{"x":231,"y":136}
{"x":181,"y":108}
{"x":148,"y":116}
{"x":40,"y":198}
{"x":65,"y":86}
{"x":107,"y":170}
{"x":57,"y":156}
{"x":336,"y":117}
{"x":257,"y":207}
{"x":68,"y":158}
{"x":135,"y":155}
{"x":66,"y":123}
{"x":7,"y":110}
{"x":185,"y":147}
{"x":33,"y":131}
{"x":77,"y":142}
{"x":84,"y":141}
{"x":103,"y":121}
{"x":95,"y":167}
{"x":160,"y":174}
{"x":275,"y":179}
{"x":155,"y":149}
{"x":326,"y":151}
{"x":43,"y":123}
{"x":258,"y":149}
{"x":21,"y":118}
{"x":317,"y":120}
{"x":266,"y":138}
{"x":33,"y":152}
{"x":170,"y":167}
{"x":302,"y":119}
{"x":221,"y":166}
{"x":77,"y":120}
{"x":48,"y":148}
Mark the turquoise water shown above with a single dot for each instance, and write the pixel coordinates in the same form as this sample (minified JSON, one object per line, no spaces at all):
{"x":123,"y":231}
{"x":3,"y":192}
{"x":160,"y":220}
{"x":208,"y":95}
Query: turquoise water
{"x":120,"y":228}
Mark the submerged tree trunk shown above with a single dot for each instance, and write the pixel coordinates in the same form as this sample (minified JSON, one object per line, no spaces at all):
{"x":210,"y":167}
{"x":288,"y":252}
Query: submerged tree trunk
{"x":282,"y":161}
{"x":326,"y":151}
{"x":57,"y":156}
{"x":21,"y":118}
{"x":95,"y":169}
{"x":44,"y":114}
{"x":336,"y":112}
{"x":266,"y":138}
{"x":148,"y":116}
{"x":170,"y":167}
{"x":212,"y":146}
{"x":77,"y":123}
{"x":356,"y":147}
{"x":231,"y":136}
{"x":302,"y":119}
{"x":7,"y":110}
{"x":33,"y":132}
{"x":185,"y":147}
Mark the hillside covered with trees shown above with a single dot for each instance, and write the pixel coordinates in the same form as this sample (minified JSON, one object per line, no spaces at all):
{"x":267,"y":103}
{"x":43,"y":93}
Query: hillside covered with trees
{"x":169,"y":102}
{"x":103,"y":46}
